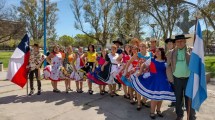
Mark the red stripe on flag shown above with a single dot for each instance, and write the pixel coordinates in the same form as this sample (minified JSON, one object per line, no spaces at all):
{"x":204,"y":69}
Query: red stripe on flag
{"x":21,"y":76}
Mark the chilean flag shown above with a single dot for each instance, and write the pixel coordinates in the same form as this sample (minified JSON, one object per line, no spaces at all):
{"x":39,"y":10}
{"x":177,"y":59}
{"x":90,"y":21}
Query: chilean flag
{"x":17,"y":71}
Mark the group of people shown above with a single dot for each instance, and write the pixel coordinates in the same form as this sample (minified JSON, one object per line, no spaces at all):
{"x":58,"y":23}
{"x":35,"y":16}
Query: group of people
{"x":152,"y":73}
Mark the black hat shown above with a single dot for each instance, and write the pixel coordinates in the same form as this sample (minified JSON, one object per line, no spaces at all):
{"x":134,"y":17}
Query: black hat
{"x":117,"y":41}
{"x":169,"y":40}
{"x":178,"y":37}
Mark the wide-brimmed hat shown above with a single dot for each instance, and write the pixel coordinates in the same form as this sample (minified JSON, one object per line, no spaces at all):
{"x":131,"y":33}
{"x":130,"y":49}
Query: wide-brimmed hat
{"x":179,"y":37}
{"x":169,"y":40}
{"x":117,"y":41}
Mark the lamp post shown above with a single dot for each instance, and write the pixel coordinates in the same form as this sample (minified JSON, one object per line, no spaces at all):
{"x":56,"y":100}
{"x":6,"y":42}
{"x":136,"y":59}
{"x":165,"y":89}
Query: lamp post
{"x":153,"y":28}
{"x":44,"y":22}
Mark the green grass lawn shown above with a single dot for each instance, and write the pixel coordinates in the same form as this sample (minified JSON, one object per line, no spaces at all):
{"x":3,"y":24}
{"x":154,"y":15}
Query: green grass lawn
{"x":209,"y":62}
{"x":5,"y":57}
{"x":210,"y":65}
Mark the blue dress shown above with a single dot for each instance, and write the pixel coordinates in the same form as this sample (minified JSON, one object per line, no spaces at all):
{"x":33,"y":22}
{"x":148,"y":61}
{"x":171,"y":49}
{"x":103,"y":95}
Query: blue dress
{"x":156,"y":86}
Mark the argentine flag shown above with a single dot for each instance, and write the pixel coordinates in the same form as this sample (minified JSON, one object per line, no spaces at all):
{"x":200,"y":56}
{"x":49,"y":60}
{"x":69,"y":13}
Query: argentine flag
{"x":196,"y":87}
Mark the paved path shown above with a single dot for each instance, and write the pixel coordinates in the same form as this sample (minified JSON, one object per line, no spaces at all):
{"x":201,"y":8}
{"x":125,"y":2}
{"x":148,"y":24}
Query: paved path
{"x":15,"y":105}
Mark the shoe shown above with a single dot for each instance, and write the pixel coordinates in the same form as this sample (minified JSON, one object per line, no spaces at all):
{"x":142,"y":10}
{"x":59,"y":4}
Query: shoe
{"x":112,"y":94}
{"x":159,"y":114}
{"x":31,"y":92}
{"x":152,"y":116}
{"x":126,"y":96}
{"x":69,"y":89}
{"x":132,"y":102}
{"x":56,"y":91}
{"x":79,"y":91}
{"x":90,"y":92}
{"x":146,"y":105}
{"x":116,"y":94}
{"x":39,"y":92}
{"x":105,"y":92}
{"x":139,"y":107}
{"x":102,"y":93}
{"x":179,"y":118}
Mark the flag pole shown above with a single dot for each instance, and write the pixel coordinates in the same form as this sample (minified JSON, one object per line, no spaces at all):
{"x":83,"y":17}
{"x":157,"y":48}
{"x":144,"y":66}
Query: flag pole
{"x":27,"y":86}
{"x":189,"y":99}
{"x":44,"y":22}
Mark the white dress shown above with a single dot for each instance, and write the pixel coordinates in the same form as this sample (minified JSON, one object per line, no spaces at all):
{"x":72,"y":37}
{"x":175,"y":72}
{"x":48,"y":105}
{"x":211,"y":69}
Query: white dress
{"x":53,"y":71}
{"x":79,"y":75}
{"x":114,"y":68}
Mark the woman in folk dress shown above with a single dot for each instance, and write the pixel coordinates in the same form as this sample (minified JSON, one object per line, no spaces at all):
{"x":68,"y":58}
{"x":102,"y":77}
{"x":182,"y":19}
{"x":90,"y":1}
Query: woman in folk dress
{"x":155,"y":87}
{"x":123,"y":59}
{"x":93,"y":76}
{"x":67,"y":63}
{"x":141,"y":56}
{"x":55,"y":69}
{"x":78,"y":73}
{"x":90,"y":59}
{"x":109,"y":70}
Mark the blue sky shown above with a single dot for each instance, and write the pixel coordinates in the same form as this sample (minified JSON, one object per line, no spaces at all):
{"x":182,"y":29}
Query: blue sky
{"x":65,"y":23}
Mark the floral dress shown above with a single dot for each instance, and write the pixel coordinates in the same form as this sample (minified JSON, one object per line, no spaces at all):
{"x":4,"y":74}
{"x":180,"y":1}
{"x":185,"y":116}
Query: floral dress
{"x":54,"y":71}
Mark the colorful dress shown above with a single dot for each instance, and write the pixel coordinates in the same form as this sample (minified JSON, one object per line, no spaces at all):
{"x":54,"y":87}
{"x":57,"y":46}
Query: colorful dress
{"x":93,"y":75}
{"x":110,"y":70}
{"x":125,"y":59}
{"x":67,"y":64}
{"x":79,"y":64}
{"x":54,"y":71}
{"x":156,"y":86}
{"x":134,"y":68}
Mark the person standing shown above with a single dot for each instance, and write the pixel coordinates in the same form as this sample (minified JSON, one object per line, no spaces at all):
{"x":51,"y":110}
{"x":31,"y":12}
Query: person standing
{"x":78,"y":73}
{"x":123,"y":59}
{"x":141,"y":56}
{"x":153,"y":45}
{"x":35,"y":61}
{"x":90,"y":56}
{"x":93,"y":76}
{"x":177,"y":62}
{"x":170,"y":44}
{"x":119,"y":51}
{"x":67,"y":63}
{"x":155,"y":86}
{"x":54,"y":70}
{"x":110,"y":67}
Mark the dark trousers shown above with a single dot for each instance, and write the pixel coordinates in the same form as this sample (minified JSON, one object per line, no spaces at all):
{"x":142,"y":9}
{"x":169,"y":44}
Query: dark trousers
{"x":180,"y":88}
{"x":31,"y":77}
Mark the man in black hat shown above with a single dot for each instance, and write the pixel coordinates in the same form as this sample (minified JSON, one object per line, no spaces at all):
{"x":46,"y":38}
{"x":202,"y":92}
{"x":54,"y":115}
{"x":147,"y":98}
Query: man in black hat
{"x":170,"y":44}
{"x":178,"y":73}
{"x":118,"y":44}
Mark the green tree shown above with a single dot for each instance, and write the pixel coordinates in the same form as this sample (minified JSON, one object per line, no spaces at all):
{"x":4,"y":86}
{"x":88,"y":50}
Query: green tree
{"x":66,"y":40}
{"x":31,"y":11}
{"x":83,"y":40}
{"x":98,"y":15}
{"x":10,"y":26}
